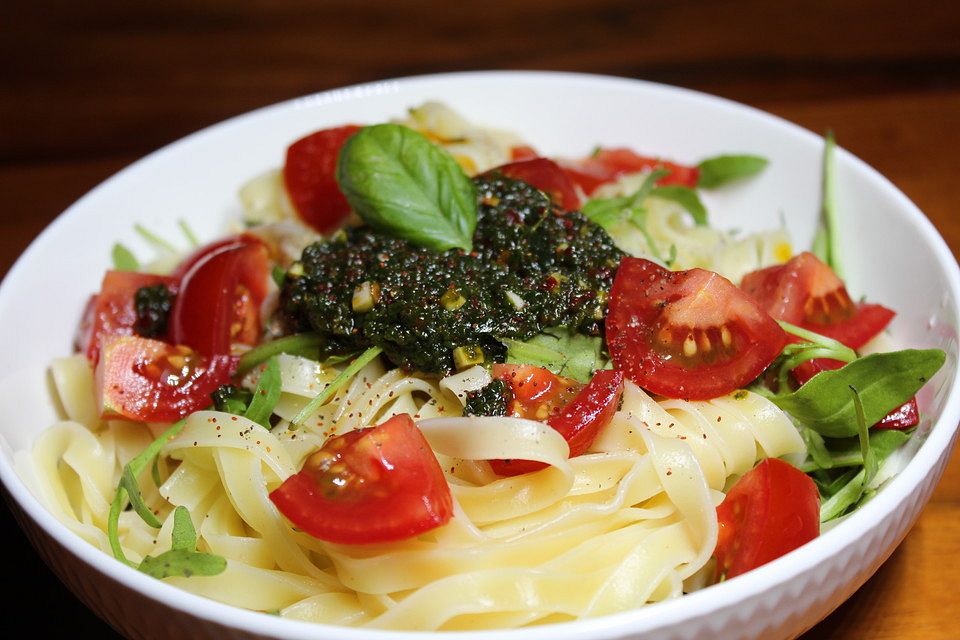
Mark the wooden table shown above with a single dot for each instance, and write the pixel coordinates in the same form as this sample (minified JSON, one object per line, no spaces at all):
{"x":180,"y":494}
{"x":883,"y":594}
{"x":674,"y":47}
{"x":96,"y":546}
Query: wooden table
{"x":89,"y":87}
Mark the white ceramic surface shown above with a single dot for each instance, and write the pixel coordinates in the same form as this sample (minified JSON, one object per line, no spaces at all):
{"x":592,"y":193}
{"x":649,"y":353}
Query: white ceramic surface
{"x":197,"y":179}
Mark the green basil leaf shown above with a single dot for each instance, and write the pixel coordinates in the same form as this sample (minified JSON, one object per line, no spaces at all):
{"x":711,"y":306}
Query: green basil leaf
{"x":686,"y":198}
{"x":184,"y":533}
{"x":266,"y":395}
{"x":123,"y":259}
{"x":884,"y":381}
{"x":402,"y":184}
{"x":183,"y":563}
{"x":563,"y":352}
{"x":720,"y":170}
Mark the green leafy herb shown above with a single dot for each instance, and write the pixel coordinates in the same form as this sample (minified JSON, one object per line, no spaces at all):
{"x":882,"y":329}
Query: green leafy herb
{"x":188,"y":233}
{"x":401,"y":183}
{"x":826,"y":243}
{"x":609,"y":213}
{"x":815,"y":346}
{"x":129,"y":488}
{"x":352,"y":370}
{"x":884,"y":381}
{"x":279,"y":275}
{"x":123,"y":259}
{"x":159,"y":243}
{"x":720,"y":170}
{"x":563,"y":352}
{"x":299,"y":344}
{"x":266,"y":395}
{"x":231,"y":399}
{"x":847,"y":452}
{"x":183,"y":559}
{"x":686,"y":198}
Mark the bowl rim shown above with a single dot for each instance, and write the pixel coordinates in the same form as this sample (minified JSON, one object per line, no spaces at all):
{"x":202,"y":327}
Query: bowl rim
{"x":649,"y":618}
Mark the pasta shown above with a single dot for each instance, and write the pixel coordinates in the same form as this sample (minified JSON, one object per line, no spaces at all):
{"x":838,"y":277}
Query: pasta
{"x":630,"y":522}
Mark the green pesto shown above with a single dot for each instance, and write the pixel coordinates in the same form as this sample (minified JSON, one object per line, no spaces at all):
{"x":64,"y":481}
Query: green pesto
{"x":153,"y":305}
{"x":491,"y":400}
{"x":531,"y":267}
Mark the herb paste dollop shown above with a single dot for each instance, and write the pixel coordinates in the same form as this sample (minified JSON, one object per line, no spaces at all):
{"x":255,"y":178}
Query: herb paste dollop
{"x":532,"y":267}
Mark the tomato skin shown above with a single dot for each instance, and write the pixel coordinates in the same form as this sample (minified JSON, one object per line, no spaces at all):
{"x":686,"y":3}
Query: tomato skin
{"x":537,"y":393}
{"x":905,"y":416}
{"x":221,"y":290}
{"x":547,"y":176}
{"x":773,"y":509}
{"x":113,"y":312}
{"x":150,"y":381}
{"x":608,"y":165}
{"x":309,"y":175}
{"x":807,"y":293}
{"x":523,"y":152}
{"x":578,"y":421}
{"x":687,"y":334}
{"x":380,"y":484}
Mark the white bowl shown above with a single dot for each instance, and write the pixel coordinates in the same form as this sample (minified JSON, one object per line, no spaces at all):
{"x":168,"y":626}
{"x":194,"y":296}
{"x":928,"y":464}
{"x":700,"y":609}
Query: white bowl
{"x":892,"y":252}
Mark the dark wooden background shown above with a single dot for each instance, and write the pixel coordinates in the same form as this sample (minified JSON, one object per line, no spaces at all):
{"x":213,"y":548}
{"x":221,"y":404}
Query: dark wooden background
{"x":88,"y":87}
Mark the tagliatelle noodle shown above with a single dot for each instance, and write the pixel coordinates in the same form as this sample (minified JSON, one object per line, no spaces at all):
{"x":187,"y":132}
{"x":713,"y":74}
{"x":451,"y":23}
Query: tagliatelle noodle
{"x":625,"y":524}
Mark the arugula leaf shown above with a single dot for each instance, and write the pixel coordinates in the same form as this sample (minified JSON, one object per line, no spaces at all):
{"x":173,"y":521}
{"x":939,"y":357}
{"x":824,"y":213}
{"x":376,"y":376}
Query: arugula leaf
{"x":183,"y":559}
{"x":686,"y":198}
{"x":402,"y":184}
{"x":231,"y":399}
{"x":611,"y":212}
{"x":826,"y":242}
{"x":847,"y":452}
{"x":563,"y":352}
{"x":720,"y":170}
{"x":362,"y":360}
{"x":159,"y":243}
{"x":123,"y":259}
{"x":884,"y":380}
{"x":266,"y":395}
{"x":188,"y":233}
{"x":815,"y":346}
{"x":129,"y":488}
{"x":279,"y":275}
{"x":299,"y":344}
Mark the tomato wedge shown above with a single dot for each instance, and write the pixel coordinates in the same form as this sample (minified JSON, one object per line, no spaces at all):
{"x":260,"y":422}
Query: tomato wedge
{"x":903,"y":417}
{"x":112,"y":312}
{"x":221,"y":289}
{"x":150,"y":381}
{"x":687,"y":334}
{"x":806,"y":292}
{"x":523,"y":152}
{"x":546,"y":175}
{"x":608,"y":165}
{"x":380,"y":484}
{"x":578,"y":421}
{"x":309,"y":175}
{"x":773,"y":509}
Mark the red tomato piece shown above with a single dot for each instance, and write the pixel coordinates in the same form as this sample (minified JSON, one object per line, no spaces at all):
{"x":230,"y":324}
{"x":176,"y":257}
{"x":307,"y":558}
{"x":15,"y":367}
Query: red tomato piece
{"x":608,"y":165}
{"x":150,"y":381}
{"x":578,"y":421}
{"x":536,"y":393}
{"x":380,"y":484}
{"x":113,"y":312}
{"x":523,"y":152}
{"x":806,"y":292}
{"x":309,"y":175}
{"x":687,"y":334}
{"x":546,"y":175}
{"x":221,"y":290}
{"x":773,"y":509}
{"x":903,"y":417}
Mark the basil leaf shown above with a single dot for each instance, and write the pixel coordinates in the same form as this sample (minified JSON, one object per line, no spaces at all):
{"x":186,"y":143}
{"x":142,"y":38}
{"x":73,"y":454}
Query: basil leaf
{"x":123,"y":259}
{"x":183,"y":563}
{"x":402,"y":184}
{"x":266,"y":395}
{"x":563,"y":352}
{"x":686,"y":198}
{"x":884,"y":381}
{"x":720,"y":170}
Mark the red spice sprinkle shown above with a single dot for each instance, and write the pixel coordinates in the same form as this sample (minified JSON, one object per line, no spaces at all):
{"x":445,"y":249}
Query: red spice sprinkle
{"x":719,"y":418}
{"x":669,"y":472}
{"x":234,"y":418}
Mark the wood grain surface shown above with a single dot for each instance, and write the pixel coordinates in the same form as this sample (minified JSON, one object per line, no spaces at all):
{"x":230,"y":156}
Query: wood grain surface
{"x":89,"y":87}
